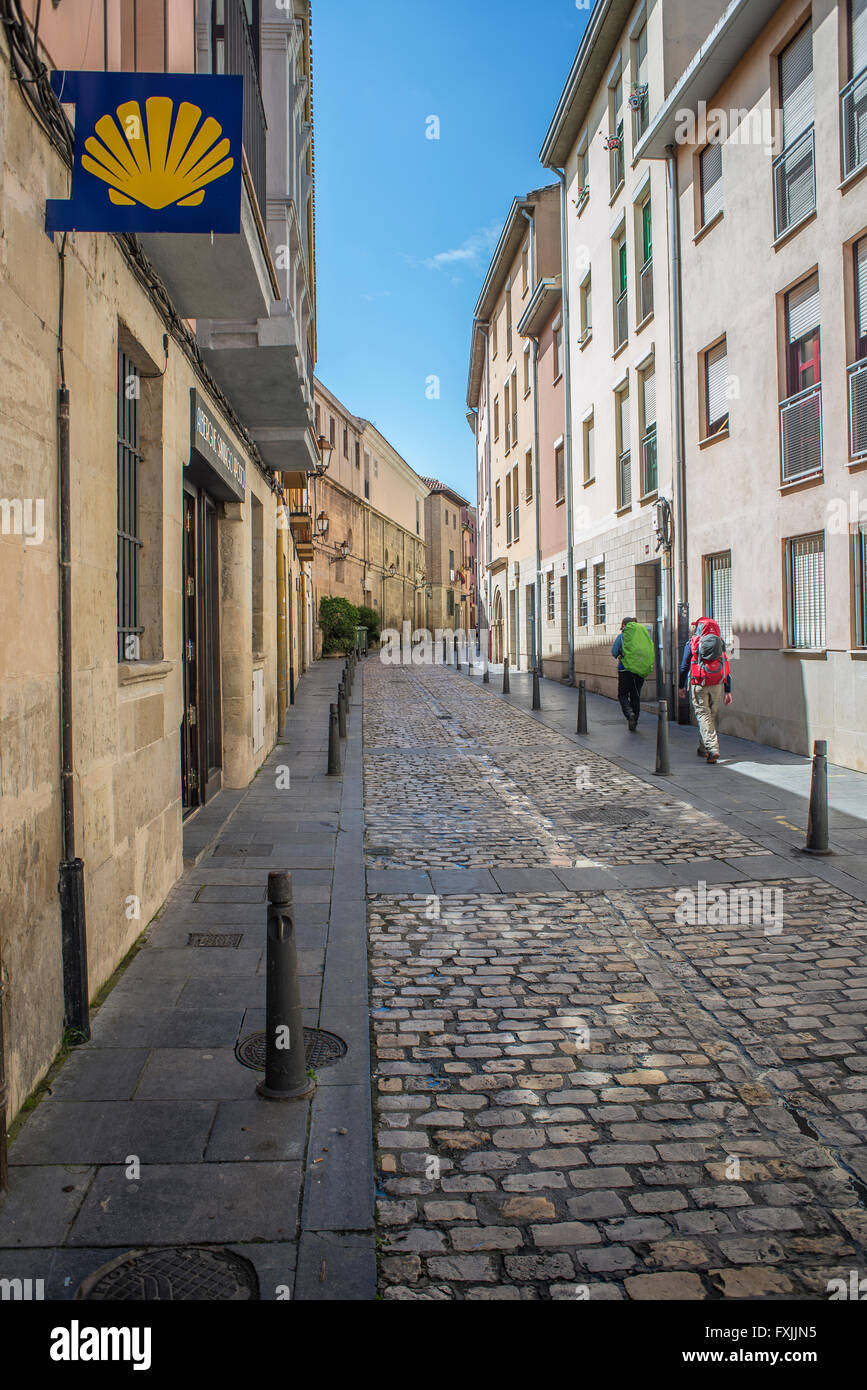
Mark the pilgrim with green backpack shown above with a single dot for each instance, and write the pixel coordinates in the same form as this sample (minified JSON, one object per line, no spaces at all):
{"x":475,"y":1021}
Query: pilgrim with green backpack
{"x":633,"y":647}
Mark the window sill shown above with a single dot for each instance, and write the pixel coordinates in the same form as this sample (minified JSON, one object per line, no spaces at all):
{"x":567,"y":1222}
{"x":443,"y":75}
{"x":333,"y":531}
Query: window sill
{"x":558,"y":377}
{"x":793,"y":231}
{"x":561,"y":502}
{"x":137,"y":672}
{"x":617,"y":192}
{"x":644,"y":322}
{"x":617,"y":351}
{"x":526,"y":393}
{"x":713,"y":438}
{"x":855,"y":464}
{"x":708,"y":226}
{"x":588,"y":482}
{"x":649,"y":497}
{"x":585,"y":339}
{"x":807,"y":653}
{"x":582,"y":205}
{"x":259,"y":657}
{"x":621,"y":511}
{"x":858,"y":653}
{"x":855,"y":177}
{"x":795,"y":484}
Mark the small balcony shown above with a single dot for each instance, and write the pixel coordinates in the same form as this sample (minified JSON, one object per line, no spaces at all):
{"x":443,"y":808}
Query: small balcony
{"x":801,"y":435}
{"x":858,"y":409}
{"x":621,"y":321}
{"x":649,"y":471}
{"x":645,"y":290}
{"x":795,"y":183}
{"x":853,"y":123}
{"x":624,"y":480}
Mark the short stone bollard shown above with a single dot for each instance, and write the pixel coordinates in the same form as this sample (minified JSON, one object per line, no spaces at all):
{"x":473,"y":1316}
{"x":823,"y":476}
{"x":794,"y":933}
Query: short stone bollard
{"x":581,"y":727}
{"x":285,"y":1060}
{"x":817,"y":815}
{"x":663,"y":763}
{"x":333,"y":743}
{"x":537,"y":695}
{"x":506,"y":686}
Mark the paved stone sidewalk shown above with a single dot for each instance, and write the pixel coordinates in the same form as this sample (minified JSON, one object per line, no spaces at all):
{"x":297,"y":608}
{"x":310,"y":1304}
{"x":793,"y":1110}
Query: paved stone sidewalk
{"x":289,"y":1186}
{"x":619,"y":1041}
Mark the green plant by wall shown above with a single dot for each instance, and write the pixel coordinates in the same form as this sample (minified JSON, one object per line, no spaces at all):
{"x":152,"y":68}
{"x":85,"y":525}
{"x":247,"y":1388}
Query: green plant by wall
{"x":369,"y":618}
{"x":338,"y":619}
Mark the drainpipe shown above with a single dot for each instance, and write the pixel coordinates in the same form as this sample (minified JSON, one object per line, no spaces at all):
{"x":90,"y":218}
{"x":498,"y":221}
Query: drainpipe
{"x":679,"y":614}
{"x":73,"y":925}
{"x":537,"y":625}
{"x":567,"y":413}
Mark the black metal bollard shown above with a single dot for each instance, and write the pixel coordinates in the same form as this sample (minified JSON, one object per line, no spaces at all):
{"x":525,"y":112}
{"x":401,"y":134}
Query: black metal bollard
{"x":817,"y":815}
{"x":537,"y":696}
{"x":581,"y":727}
{"x":457,"y":655}
{"x":341,"y":710}
{"x":663,"y":764}
{"x":333,"y":743}
{"x":285,"y":1061}
{"x":506,"y":686}
{"x":486,"y":674}
{"x":445,"y":654}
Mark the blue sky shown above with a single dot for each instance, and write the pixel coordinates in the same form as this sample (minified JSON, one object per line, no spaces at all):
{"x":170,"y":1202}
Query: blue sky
{"x":405,"y":226}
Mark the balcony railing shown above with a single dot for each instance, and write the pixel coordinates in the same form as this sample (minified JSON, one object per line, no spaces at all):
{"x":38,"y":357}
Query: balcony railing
{"x":624,"y":479}
{"x":801,"y":435}
{"x":645,"y":290}
{"x":858,"y":409}
{"x":238,"y":58}
{"x":621,"y":320}
{"x":648,"y":463}
{"x":795,"y":183}
{"x":853,"y":122}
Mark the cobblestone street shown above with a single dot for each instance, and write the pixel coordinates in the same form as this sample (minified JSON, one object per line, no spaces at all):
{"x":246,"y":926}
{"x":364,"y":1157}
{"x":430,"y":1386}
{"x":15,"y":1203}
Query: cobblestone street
{"x":595,"y":1076}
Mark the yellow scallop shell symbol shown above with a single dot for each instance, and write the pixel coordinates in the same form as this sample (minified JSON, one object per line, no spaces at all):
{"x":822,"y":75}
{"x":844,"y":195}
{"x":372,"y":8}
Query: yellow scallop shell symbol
{"x":145,"y":160}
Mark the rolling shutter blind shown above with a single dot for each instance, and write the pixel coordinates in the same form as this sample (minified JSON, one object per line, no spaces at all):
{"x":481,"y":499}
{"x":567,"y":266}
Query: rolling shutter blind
{"x":711,"y":181}
{"x":649,"y":400}
{"x":859,"y":36}
{"x":796,"y":85}
{"x":861,"y":275}
{"x":803,"y":304}
{"x":717,"y":371}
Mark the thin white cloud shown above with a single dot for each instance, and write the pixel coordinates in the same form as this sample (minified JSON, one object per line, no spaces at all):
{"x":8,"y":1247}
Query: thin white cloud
{"x":470,"y":253}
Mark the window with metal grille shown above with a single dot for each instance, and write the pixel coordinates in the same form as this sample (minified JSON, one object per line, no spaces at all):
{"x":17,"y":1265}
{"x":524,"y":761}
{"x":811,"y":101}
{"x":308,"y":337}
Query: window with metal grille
{"x":624,"y":455}
{"x":559,"y":473}
{"x":715,"y":389}
{"x":649,"y":470}
{"x":550,"y":597}
{"x":718,"y":591}
{"x":515,"y":500}
{"x":794,"y":169}
{"x":589,"y":451}
{"x":508,"y":321}
{"x":331,"y":430}
{"x":586,"y":309}
{"x":805,"y":583}
{"x":859,"y":555}
{"x":858,"y":370}
{"x":645,"y":275}
{"x":621,"y":296}
{"x":801,"y":412}
{"x":710,"y":168}
{"x":615,"y":104}
{"x":599,"y":592}
{"x":853,"y":98}
{"x":582,"y":598}
{"x":129,"y":543}
{"x":639,"y":101}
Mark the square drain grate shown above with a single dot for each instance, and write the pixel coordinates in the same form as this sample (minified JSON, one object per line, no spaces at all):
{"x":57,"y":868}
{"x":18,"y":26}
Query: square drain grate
{"x":215,"y":938}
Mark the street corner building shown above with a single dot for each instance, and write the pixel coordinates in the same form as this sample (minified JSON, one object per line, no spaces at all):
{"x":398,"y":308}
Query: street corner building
{"x":156,"y":433}
{"x":650,"y":443}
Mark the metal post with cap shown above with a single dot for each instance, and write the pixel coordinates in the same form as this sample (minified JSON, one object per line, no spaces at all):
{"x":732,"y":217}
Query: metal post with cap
{"x":581,"y":726}
{"x":285,"y":1060}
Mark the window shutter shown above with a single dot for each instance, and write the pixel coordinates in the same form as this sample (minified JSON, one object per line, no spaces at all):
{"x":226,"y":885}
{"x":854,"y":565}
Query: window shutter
{"x":796,"y":85}
{"x":859,"y":36}
{"x":861,"y":276}
{"x":649,"y":399}
{"x":624,"y":421}
{"x":711,"y":181}
{"x":803,"y":305}
{"x":717,"y":371}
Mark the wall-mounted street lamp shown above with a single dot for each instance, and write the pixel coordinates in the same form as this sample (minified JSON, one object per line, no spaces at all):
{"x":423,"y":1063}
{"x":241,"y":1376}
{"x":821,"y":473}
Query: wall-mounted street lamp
{"x":326,"y":449}
{"x":342,"y":550}
{"x":392,"y":569}
{"x":322,"y":524}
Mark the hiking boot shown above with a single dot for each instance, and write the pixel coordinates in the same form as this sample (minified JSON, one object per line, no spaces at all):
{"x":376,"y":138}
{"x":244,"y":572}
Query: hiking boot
{"x":713,"y":757}
{"x":632,"y":721}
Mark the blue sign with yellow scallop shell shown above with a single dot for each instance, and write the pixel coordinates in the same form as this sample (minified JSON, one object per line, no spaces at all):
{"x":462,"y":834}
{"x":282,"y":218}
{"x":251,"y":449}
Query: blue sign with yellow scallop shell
{"x":154,"y":152}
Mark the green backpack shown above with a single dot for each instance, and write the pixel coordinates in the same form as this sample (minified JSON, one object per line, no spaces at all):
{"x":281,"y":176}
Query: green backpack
{"x":637,"y":650}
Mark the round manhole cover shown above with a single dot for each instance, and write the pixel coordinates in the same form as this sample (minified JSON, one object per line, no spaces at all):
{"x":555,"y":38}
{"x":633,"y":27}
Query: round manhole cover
{"x":320,"y":1049}
{"x":181,"y":1274}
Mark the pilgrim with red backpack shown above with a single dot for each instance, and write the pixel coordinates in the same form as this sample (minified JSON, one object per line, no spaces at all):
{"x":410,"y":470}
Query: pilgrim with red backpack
{"x":705,"y":670}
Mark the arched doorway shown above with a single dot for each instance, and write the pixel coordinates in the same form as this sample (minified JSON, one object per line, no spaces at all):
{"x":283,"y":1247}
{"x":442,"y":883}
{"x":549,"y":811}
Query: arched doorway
{"x":497,"y":629}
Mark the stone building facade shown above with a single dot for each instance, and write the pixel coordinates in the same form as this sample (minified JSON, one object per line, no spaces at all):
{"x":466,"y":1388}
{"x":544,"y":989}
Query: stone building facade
{"x":451,"y":560}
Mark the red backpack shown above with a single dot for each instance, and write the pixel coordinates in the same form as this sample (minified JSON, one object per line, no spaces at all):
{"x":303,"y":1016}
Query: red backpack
{"x":710,"y":664}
